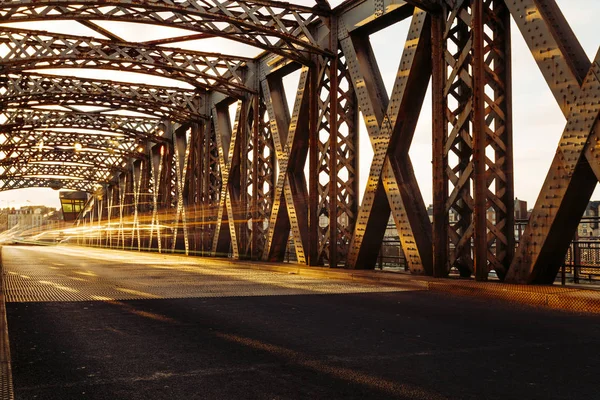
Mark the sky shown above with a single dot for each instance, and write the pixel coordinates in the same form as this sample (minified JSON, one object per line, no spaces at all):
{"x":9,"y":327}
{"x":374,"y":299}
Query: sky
{"x":537,"y":121}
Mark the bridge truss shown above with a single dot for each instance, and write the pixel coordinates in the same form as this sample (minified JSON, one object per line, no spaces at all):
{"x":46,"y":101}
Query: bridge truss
{"x":219,"y":164}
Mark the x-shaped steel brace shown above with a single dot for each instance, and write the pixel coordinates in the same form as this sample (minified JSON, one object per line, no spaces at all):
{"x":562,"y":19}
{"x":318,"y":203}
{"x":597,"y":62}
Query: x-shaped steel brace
{"x":575,"y":169}
{"x":291,"y":139}
{"x":229,"y":162}
{"x":391,"y":123}
{"x":181,"y":155}
{"x":137,"y":183}
{"x":157,"y":156}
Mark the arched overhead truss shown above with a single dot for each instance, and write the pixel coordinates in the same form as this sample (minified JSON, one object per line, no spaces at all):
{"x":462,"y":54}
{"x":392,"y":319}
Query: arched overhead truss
{"x":24,"y":50}
{"x":56,"y":172}
{"x":62,"y":156}
{"x":17,"y":119}
{"x":28,"y":90}
{"x":23,"y":182}
{"x":281,"y":28}
{"x":31,"y":141}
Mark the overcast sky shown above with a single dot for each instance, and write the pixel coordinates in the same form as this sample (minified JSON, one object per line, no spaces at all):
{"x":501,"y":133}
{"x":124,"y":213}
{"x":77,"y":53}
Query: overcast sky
{"x":538,"y":122}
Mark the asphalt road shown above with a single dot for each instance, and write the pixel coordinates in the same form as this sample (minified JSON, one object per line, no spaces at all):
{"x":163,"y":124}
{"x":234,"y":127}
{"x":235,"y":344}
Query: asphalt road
{"x":276,"y":340}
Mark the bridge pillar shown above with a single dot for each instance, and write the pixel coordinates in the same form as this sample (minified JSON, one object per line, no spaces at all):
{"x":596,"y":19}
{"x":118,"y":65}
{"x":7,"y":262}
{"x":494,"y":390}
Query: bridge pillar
{"x":472,"y":139}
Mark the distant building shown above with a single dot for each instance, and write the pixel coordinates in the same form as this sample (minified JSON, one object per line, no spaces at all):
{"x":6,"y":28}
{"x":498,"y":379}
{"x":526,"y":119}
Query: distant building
{"x":521,"y":209}
{"x":26,"y":218}
{"x":30,"y":217}
{"x":589,"y":226}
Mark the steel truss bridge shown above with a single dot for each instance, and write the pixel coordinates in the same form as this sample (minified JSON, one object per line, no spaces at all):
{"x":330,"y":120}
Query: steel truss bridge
{"x":241,"y":189}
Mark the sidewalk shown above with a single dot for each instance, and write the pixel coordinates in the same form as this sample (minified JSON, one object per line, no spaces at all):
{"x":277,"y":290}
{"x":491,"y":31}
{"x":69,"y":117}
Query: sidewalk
{"x":579,"y":299}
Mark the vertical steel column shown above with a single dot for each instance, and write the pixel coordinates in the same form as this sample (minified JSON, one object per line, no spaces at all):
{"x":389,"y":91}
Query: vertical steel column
{"x":253,"y":175}
{"x":122,"y":194}
{"x":98,"y":209}
{"x":453,"y":168}
{"x":110,"y":201}
{"x":344,"y":116}
{"x":264,"y":170}
{"x":498,"y":153}
{"x":335,"y":239}
{"x":472,"y":142}
{"x":137,"y":183}
{"x":181,"y":156}
{"x":156,"y":155}
{"x":194,"y":192}
{"x":478,"y":134}
{"x":316,"y":72}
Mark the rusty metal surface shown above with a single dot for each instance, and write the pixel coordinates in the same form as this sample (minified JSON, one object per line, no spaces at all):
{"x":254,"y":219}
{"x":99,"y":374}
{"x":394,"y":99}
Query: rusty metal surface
{"x":26,"y":90}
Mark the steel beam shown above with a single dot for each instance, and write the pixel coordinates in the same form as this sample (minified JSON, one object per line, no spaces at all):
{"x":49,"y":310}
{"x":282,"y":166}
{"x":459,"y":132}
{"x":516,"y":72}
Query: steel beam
{"x":391,"y":124}
{"x":289,"y":209}
{"x":31,"y":50}
{"x":571,"y":178}
{"x":281,"y":28}
{"x":26,"y":90}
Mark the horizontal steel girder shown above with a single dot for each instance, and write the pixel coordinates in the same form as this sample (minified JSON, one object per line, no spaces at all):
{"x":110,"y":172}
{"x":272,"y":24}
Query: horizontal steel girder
{"x":147,"y":128}
{"x":29,"y":50}
{"x":278,"y":27}
{"x":27,"y":90}
{"x":31,"y":141}
{"x":91,"y":157}
{"x":57,"y":172}
{"x":21,"y":182}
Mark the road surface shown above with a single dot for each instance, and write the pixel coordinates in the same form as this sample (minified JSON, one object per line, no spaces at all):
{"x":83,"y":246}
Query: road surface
{"x":103,"y":324}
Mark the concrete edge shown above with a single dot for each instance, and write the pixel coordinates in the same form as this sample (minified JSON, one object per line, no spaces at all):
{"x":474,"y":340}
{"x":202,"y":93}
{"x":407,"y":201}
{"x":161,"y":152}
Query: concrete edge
{"x":6,"y":381}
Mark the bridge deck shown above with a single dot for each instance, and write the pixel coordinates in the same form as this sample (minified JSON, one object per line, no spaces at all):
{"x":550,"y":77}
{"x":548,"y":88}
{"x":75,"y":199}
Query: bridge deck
{"x":98,"y":324}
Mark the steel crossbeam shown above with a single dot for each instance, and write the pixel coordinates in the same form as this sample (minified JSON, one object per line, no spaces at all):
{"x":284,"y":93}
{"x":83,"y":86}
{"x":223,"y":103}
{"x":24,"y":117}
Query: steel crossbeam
{"x":51,"y":171}
{"x":27,"y":90}
{"x":23,"y":50}
{"x":281,"y":28}
{"x":31,"y":141}
{"x":22,"y":182}
{"x":23,"y":119}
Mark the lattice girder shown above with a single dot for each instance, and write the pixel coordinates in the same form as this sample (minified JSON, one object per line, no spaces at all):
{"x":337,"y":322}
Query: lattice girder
{"x":23,"y":50}
{"x":88,"y":173}
{"x":146,"y":128}
{"x":89,"y":157}
{"x":21,"y":182}
{"x":27,"y":90}
{"x":281,"y":28}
